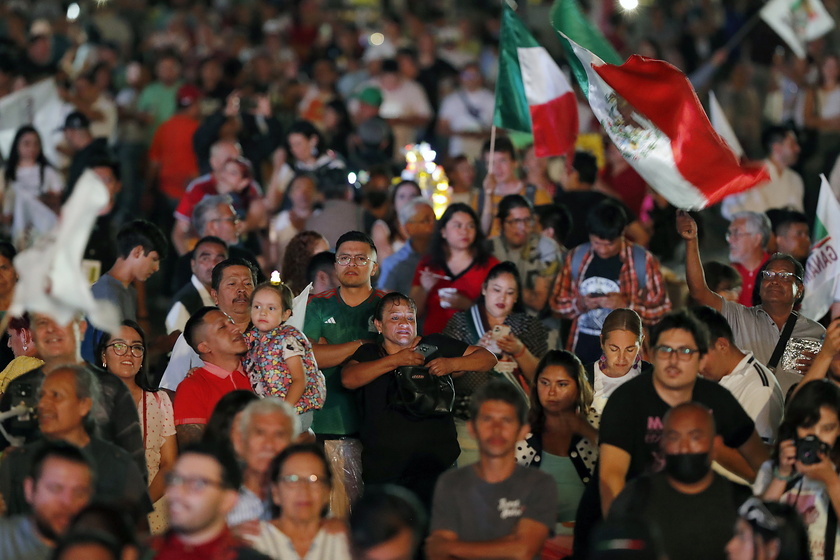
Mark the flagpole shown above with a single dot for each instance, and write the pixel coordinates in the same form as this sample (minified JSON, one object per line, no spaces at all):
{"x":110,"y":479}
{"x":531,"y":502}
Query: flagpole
{"x":492,"y":148}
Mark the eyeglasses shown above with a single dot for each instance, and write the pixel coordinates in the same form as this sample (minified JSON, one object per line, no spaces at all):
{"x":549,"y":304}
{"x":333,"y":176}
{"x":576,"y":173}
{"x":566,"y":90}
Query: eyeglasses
{"x":780,"y":276}
{"x":358,"y":260}
{"x":682,"y":353}
{"x":296,"y":480}
{"x":191,"y":483}
{"x":231,"y":220}
{"x":736,"y":234}
{"x":520,"y":221}
{"x":121,"y":348}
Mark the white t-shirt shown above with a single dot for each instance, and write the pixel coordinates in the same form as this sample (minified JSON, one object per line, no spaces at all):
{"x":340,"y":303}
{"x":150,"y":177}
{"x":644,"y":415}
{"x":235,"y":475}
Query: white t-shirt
{"x":758,"y":391}
{"x":457,"y":112}
{"x":784,"y":190}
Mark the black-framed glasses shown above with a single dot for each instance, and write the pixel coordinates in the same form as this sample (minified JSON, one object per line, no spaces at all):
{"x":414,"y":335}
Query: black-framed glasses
{"x":358,"y":260}
{"x":780,"y":276}
{"x":297,"y":480}
{"x":191,"y":483}
{"x":520,"y":221}
{"x":121,"y":348}
{"x":682,"y":353}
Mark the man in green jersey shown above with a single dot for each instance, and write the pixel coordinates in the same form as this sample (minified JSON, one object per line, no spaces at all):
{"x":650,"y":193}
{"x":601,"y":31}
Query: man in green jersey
{"x":338,"y":322}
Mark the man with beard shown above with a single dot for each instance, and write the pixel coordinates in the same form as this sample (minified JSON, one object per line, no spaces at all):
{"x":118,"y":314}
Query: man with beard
{"x":60,"y":484}
{"x":231,"y":284}
{"x":693,"y":507}
{"x":219,"y":343}
{"x":200,"y":491}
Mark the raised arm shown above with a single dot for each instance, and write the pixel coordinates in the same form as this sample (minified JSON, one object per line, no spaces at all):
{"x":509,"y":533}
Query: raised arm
{"x":694,"y":275}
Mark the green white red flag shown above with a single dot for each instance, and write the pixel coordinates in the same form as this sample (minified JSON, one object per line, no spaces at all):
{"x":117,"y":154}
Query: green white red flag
{"x":822,"y":271}
{"x":532,"y":93}
{"x":797,"y":21}
{"x":652,"y":115}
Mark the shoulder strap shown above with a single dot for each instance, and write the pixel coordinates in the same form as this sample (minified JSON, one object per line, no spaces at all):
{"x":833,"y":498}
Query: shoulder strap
{"x":640,"y":264}
{"x":782,"y":342}
{"x":577,"y":258}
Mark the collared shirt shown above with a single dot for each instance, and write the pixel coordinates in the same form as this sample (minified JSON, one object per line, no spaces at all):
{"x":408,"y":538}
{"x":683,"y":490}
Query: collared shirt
{"x":198,"y":394}
{"x":226,"y":545}
{"x":178,"y":315}
{"x":397,"y":270}
{"x":756,"y":331}
{"x":759,"y":392}
{"x":248,"y":507}
{"x":785,"y":189}
{"x":748,"y":279}
{"x":539,"y":257}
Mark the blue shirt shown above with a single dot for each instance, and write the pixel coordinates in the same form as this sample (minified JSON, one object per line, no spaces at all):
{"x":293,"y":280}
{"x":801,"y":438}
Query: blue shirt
{"x":397,"y":271}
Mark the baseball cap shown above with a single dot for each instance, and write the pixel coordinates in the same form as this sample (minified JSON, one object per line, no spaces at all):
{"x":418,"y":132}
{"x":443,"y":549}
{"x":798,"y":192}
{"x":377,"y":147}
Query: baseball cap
{"x":76,"y":121}
{"x":187,"y":94}
{"x":371,"y":96}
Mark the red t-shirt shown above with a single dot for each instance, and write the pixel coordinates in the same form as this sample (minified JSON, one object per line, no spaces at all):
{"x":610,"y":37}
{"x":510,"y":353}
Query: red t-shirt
{"x":206,"y":184}
{"x":172,"y":148}
{"x":198,"y":394}
{"x":468,"y":284}
{"x":225,"y":546}
{"x":748,"y":278}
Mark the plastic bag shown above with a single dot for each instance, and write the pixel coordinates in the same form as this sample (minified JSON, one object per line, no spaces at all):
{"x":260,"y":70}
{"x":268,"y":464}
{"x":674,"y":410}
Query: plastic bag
{"x":345,"y":456}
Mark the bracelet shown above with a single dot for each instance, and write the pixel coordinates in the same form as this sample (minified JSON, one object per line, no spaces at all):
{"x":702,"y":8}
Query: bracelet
{"x":521,"y":352}
{"x":780,"y":476}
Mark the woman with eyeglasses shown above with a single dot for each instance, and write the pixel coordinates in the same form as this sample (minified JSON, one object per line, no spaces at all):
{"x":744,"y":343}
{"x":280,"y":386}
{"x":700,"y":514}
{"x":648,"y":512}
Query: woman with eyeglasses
{"x":301,"y":481}
{"x":123,"y":354}
{"x":450,"y":277}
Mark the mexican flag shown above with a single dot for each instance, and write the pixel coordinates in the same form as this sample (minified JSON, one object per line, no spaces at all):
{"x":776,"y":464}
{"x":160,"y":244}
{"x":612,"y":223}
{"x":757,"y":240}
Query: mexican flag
{"x":532,"y":93}
{"x":653,"y":116}
{"x":797,"y":21}
{"x":568,"y":19}
{"x":822,"y":271}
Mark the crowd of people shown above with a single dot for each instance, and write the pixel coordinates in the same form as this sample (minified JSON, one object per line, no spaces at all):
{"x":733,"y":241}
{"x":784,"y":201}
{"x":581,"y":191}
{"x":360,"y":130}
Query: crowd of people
{"x":327,"y":350}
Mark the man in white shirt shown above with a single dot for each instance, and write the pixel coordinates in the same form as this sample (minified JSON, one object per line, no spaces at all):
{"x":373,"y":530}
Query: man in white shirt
{"x":752,"y":384}
{"x":466,"y":114}
{"x":785,"y":188}
{"x":208,"y":252}
{"x":404,"y":104}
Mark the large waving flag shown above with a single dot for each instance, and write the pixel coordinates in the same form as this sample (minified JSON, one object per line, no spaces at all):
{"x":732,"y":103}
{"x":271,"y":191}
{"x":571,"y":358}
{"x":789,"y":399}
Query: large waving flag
{"x":532,"y":93}
{"x":822,"y":271}
{"x":797,"y":21}
{"x":569,"y":20}
{"x":653,"y":116}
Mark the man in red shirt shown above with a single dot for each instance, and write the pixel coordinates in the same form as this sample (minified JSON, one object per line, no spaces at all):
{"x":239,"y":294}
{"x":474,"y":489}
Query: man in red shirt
{"x":200,"y":490}
{"x":219,"y":343}
{"x":748,"y":235}
{"x":172,"y":161}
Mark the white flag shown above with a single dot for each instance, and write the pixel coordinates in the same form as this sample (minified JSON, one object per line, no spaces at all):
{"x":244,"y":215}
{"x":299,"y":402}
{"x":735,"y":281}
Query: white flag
{"x":722,"y":126}
{"x":299,"y":308}
{"x":51,"y":280}
{"x":822,"y":270}
{"x":797,"y":21}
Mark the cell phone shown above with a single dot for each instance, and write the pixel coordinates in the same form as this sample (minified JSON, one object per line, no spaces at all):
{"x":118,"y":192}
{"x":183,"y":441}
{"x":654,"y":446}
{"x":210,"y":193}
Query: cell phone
{"x":500,"y":331}
{"x":426,"y":350}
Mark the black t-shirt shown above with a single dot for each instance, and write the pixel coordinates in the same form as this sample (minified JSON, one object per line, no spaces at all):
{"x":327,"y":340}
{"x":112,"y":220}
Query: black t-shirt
{"x":394,"y":442}
{"x":632,"y":420}
{"x":600,"y":277}
{"x":692,"y":526}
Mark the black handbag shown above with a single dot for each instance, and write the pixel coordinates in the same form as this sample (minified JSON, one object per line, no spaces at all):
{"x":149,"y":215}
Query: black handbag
{"x":421,"y":394}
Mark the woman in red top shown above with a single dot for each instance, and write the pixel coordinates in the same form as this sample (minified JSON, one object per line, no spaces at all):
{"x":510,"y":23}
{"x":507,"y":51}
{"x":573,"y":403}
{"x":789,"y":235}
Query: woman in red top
{"x":449,"y":278}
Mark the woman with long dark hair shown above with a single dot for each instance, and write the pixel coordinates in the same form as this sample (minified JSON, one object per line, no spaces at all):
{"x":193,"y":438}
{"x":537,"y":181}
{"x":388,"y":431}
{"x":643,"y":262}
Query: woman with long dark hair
{"x":29,"y":181}
{"x":450,"y":277}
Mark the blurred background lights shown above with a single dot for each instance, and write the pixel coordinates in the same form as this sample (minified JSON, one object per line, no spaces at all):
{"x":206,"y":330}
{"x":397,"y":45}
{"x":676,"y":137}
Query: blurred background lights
{"x":629,"y":4}
{"x":376,"y":39}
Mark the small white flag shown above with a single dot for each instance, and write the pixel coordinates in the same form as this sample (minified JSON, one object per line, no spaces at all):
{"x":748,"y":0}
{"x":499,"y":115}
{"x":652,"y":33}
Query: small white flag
{"x":822,"y":271}
{"x":722,"y":126}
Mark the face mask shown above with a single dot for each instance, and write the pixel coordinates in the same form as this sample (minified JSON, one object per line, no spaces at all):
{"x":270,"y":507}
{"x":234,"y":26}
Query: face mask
{"x":687,"y":468}
{"x":376,"y":198}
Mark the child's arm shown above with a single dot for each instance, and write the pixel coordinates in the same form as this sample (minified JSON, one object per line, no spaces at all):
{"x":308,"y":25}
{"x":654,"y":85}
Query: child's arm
{"x":298,"y":385}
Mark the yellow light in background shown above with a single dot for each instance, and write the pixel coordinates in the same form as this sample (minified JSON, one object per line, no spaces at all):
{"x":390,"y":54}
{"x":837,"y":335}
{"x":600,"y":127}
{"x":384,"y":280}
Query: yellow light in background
{"x":376,"y":39}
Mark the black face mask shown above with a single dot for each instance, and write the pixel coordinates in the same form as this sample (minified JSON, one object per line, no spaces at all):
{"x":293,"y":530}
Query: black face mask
{"x":376,"y":198}
{"x":687,"y":468}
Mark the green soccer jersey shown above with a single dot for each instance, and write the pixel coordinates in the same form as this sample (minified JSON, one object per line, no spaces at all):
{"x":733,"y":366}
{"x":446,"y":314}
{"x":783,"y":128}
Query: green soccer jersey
{"x":329,"y":317}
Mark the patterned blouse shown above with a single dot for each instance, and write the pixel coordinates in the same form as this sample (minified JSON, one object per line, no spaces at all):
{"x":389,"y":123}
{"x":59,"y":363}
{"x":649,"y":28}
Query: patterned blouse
{"x":269,"y":373}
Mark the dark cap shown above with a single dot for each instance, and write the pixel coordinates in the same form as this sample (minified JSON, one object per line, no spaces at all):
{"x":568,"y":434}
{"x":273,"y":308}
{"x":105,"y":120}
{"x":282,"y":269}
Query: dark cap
{"x":187,"y":95}
{"x":76,"y":121}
